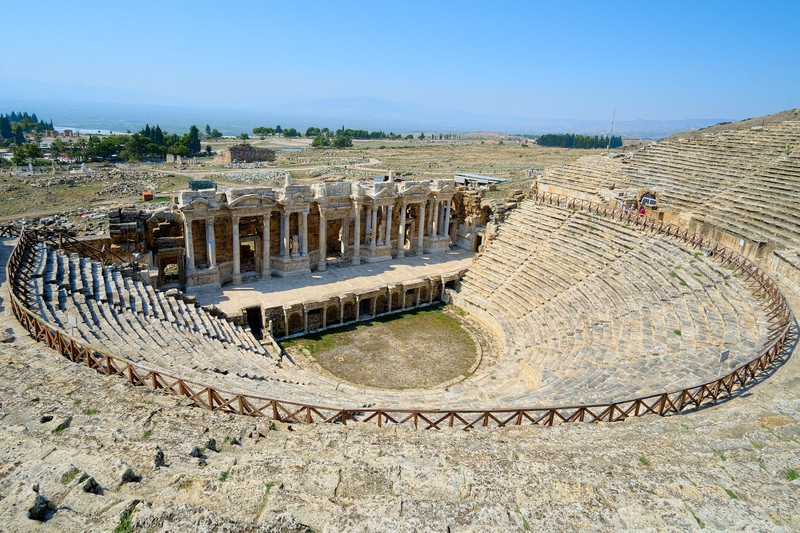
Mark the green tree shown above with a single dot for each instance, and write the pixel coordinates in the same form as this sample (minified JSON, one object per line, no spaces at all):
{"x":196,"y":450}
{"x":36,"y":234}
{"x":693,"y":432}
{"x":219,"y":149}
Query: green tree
{"x":24,"y":153}
{"x":421,"y":136}
{"x":19,"y":136}
{"x":179,"y":148}
{"x":208,"y":130}
{"x":57,"y":147}
{"x":193,"y":140}
{"x":320,"y":141}
{"x":158,"y":136}
{"x":342,"y":141}
{"x":5,"y":128}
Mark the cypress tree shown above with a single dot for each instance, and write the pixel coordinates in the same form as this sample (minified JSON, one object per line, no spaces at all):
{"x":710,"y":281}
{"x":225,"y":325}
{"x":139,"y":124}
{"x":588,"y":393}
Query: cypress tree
{"x":193,"y":140}
{"x":5,"y":128}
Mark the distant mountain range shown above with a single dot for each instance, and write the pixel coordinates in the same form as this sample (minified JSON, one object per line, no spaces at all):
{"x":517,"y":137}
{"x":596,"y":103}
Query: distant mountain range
{"x":106,"y":108}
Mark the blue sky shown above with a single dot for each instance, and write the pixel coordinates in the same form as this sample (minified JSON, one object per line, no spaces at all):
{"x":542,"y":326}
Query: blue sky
{"x":650,"y":60}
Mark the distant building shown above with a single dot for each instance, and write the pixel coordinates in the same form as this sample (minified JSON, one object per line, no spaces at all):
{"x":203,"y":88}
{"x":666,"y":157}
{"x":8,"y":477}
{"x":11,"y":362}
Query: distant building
{"x":245,"y":153}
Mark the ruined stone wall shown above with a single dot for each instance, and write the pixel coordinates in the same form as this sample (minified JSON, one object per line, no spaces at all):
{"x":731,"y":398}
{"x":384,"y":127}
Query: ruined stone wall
{"x":245,"y":153}
{"x":223,"y":235}
{"x":275,"y":233}
{"x":199,"y":232}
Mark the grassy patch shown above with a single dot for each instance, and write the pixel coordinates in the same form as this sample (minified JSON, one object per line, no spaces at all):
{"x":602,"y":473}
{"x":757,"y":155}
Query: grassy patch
{"x":416,"y":349}
{"x":756,"y":445}
{"x":699,"y":522}
{"x":677,"y":332}
{"x":124,"y":525}
{"x":732,"y":495}
{"x":77,"y":402}
{"x":91,"y":411}
{"x":69,"y":475}
{"x":721,"y":455}
{"x":147,"y":434}
{"x":185,"y":484}
{"x":644,"y":461}
{"x":791,"y":474}
{"x":223,"y":477}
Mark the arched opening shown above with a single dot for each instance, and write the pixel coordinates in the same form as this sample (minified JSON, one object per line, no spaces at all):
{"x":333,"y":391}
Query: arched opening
{"x":349,"y":311}
{"x":411,"y":298}
{"x":380,"y":304}
{"x":314,"y":318}
{"x":255,"y":321}
{"x":365,"y":308}
{"x":648,"y":200}
{"x":423,"y":294}
{"x":331,"y":315}
{"x":295,"y":323}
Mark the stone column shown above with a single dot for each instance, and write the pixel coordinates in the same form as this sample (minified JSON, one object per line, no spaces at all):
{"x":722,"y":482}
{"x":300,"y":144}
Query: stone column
{"x":373,"y":226}
{"x":265,"y":256}
{"x":435,"y":219}
{"x":323,"y":242}
{"x":423,"y":206}
{"x":401,"y":232}
{"x":304,"y":233}
{"x":345,"y":235}
{"x":447,"y":219}
{"x":367,"y":227}
{"x":284,"y":232}
{"x":237,"y":262}
{"x":357,"y":235}
{"x":211,"y":245}
{"x":187,"y":234}
{"x":388,"y":235}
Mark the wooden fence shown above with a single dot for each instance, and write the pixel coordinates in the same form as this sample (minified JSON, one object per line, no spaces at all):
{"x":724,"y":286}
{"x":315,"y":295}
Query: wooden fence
{"x":780,"y":338}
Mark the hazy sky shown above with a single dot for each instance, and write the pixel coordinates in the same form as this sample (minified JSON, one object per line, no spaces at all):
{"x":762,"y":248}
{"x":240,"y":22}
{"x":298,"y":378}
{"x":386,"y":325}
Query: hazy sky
{"x":656,"y":60}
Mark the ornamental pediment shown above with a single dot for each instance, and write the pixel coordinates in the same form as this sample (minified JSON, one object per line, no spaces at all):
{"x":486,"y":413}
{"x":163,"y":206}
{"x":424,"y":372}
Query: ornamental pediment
{"x":251,"y":200}
{"x":199,"y":204}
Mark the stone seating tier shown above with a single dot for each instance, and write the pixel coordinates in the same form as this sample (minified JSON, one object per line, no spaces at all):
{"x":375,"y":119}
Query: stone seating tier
{"x":587,"y":310}
{"x":744,"y":182}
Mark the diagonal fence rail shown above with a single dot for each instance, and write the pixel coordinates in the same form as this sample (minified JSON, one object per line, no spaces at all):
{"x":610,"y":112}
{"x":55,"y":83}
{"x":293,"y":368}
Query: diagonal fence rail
{"x":781,"y":337}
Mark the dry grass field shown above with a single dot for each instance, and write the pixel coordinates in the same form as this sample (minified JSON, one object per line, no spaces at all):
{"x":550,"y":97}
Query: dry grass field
{"x":46,"y":193}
